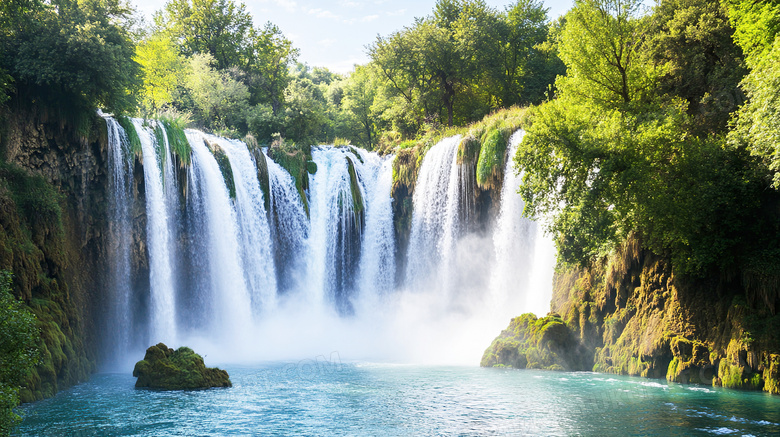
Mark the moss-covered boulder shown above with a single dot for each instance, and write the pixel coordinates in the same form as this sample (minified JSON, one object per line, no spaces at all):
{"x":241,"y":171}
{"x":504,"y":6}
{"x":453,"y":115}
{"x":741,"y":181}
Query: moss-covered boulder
{"x":772,"y":374}
{"x":543,"y":343}
{"x":181,"y":369}
{"x":691,"y":362}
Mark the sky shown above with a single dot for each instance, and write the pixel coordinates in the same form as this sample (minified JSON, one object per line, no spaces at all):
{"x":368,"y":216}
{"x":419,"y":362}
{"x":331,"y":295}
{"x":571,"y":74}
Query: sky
{"x":334,"y":33}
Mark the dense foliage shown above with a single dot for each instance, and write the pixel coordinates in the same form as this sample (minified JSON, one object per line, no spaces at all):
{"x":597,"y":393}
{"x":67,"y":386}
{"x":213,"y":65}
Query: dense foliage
{"x":205,"y":59}
{"x":636,"y":139}
{"x":68,"y":54}
{"x":18,"y":351}
{"x":456,"y":66}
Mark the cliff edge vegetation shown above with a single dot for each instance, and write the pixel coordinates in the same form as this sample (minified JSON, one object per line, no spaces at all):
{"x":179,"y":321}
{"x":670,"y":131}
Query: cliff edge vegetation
{"x":655,"y":169}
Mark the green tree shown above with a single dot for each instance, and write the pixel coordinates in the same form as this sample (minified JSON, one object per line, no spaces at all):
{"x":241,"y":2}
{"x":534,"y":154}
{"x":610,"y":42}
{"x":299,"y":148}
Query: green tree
{"x":219,"y":101}
{"x":15,"y":15}
{"x":757,"y":125}
{"x":19,"y":337}
{"x":164,"y":71}
{"x":359,"y":97}
{"x":270,"y":56}
{"x":602,"y":45}
{"x":77,"y":53}
{"x":756,"y":23}
{"x":608,"y":158}
{"x":692,"y":46}
{"x":304,"y":113}
{"x":220,"y":28}
{"x":522,"y":75}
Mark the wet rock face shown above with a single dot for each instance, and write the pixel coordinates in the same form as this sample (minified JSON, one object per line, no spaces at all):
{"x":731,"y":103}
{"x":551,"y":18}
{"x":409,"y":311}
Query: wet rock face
{"x":55,"y":195}
{"x":182,"y":369}
{"x":638,"y":317}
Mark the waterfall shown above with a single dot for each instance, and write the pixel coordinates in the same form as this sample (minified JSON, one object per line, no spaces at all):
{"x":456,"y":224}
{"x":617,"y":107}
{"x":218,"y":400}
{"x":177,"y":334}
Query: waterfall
{"x":513,"y":238}
{"x":120,"y":203}
{"x":435,"y":217}
{"x":254,"y":232}
{"x":228,"y":299}
{"x":290,"y":228}
{"x":377,"y":261}
{"x":233,"y":257}
{"x":336,"y":227}
{"x":537,"y":299}
{"x":159,"y":239}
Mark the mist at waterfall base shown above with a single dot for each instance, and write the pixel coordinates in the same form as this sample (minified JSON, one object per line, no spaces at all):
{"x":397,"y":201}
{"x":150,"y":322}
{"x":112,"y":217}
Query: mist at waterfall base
{"x":242,"y":278}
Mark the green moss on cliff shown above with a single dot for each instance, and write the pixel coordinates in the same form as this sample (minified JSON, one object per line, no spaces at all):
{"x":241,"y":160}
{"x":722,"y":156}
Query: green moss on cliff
{"x":357,"y":154}
{"x":640,"y":318}
{"x":544,"y":343}
{"x":224,"y":167}
{"x":182,"y":369}
{"x":33,"y":243}
{"x":132,"y":135}
{"x":492,"y":157}
{"x":262,"y":175}
{"x":177,"y":140}
{"x":771,"y":374}
{"x":469,"y":147}
{"x":354,"y":187}
{"x":297,"y":160}
{"x":691,"y":359}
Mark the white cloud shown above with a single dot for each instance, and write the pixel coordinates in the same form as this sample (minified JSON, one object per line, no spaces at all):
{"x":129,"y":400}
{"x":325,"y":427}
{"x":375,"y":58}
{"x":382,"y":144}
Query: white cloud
{"x":326,"y":42}
{"x":350,"y":4}
{"x":369,"y":18}
{"x":397,"y":13}
{"x":322,"y":13}
{"x":288,"y":5}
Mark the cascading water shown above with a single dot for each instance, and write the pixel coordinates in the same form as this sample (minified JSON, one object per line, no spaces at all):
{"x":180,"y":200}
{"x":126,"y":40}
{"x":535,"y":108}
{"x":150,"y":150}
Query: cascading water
{"x":290,"y":227}
{"x":284,"y":270}
{"x":377,"y":261}
{"x":254,"y":232}
{"x":435,"y":217}
{"x":337,"y":222}
{"x":228,"y":299}
{"x":119,"y":320}
{"x":162,"y":298}
{"x":513,"y":238}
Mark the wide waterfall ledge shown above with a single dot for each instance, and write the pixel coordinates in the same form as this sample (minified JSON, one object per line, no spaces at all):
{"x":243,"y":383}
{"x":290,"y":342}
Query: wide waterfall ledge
{"x":227,"y":251}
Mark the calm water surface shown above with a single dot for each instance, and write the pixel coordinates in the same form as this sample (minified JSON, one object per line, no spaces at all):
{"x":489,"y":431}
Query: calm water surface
{"x":327,"y":397}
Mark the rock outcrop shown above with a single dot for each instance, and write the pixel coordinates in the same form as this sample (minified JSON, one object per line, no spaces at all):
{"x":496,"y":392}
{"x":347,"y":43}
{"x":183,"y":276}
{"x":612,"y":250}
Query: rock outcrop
{"x":531,"y":343}
{"x":182,"y":369}
{"x":52,"y":209}
{"x":633,"y":315}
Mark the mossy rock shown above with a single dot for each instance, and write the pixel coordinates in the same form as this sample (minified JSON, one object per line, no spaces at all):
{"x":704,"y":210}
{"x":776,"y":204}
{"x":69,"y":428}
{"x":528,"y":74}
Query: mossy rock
{"x":531,"y":343}
{"x":772,"y":375}
{"x":178,"y":142}
{"x":357,"y":195}
{"x":468,"y":150}
{"x":492,"y":157}
{"x":263,"y":176}
{"x":690,"y":362}
{"x":224,"y":167}
{"x":297,"y":160}
{"x":182,"y":369}
{"x":132,"y":135}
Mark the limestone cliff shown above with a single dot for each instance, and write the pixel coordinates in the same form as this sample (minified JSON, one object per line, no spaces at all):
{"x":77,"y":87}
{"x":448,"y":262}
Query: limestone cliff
{"x":635,"y":316}
{"x":52,"y":220}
